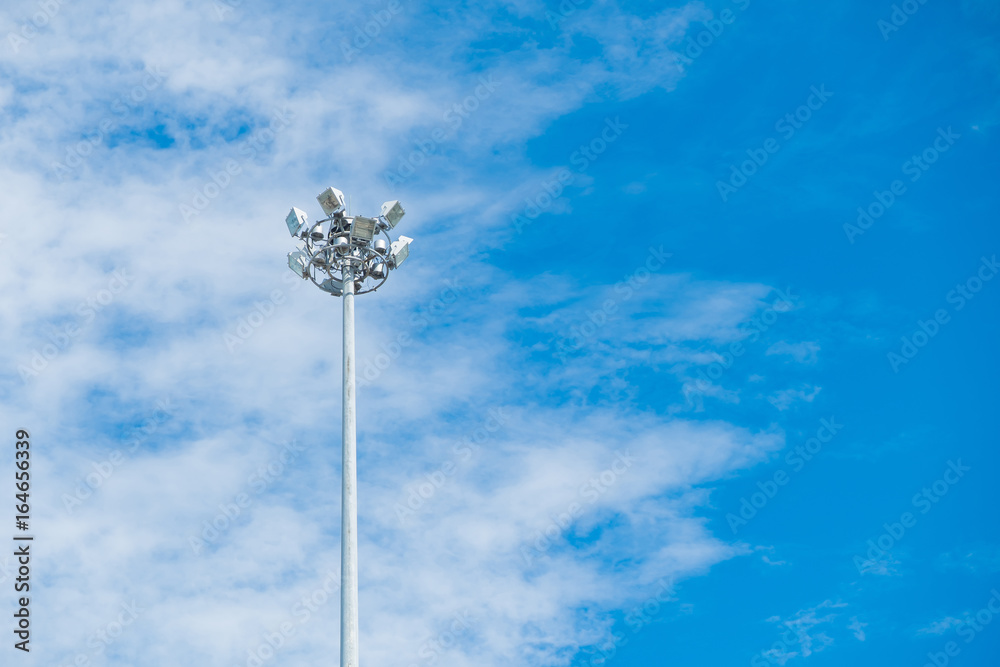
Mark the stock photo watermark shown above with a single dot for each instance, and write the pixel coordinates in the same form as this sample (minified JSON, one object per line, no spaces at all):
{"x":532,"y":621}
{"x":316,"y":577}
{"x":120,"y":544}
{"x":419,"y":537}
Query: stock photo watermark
{"x":77,"y":154}
{"x":695,"y":46}
{"x":968,"y":629}
{"x":563,"y":11}
{"x":103,"y":470}
{"x":576,"y":336}
{"x":365,"y":35}
{"x":926,"y":330}
{"x":106,"y":635}
{"x":454,"y":117}
{"x":463,"y":451}
{"x":225,"y":7}
{"x":223,"y":175}
{"x":29,"y":28}
{"x":879,"y":547}
{"x":581,"y":158}
{"x":434,"y":647}
{"x":214,"y":529}
{"x":787,"y":125}
{"x":589,"y":493}
{"x":259,"y":314}
{"x":301,"y":612}
{"x":900,"y":14}
{"x":795,"y":460}
{"x":60,"y":339}
{"x":914,"y":168}
{"x":637,"y":619}
{"x":752,"y":330}
{"x":371,"y":370}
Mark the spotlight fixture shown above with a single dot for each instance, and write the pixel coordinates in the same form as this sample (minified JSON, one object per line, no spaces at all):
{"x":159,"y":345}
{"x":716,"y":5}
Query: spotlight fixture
{"x":363,"y":229}
{"x":332,"y":200}
{"x":393,"y":212}
{"x":298,"y":262}
{"x":296,"y":220}
{"x":400,"y":250}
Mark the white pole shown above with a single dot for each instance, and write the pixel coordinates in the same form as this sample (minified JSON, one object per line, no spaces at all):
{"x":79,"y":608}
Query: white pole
{"x":349,"y":507}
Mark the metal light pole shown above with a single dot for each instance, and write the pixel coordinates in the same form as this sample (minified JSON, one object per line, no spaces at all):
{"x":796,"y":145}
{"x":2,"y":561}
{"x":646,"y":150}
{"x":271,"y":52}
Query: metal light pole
{"x":349,"y":502}
{"x":345,"y":256}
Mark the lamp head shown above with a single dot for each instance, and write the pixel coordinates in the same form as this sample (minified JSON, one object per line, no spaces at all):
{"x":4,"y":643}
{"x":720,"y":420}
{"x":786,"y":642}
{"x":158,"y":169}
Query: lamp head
{"x":332,"y":200}
{"x":295,"y":220}
{"x":363,"y":229}
{"x":298,"y":262}
{"x":393,"y":212}
{"x":399,"y":251}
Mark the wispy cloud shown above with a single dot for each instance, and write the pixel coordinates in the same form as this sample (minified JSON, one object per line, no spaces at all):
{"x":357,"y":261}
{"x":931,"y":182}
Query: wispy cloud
{"x":806,"y":352}
{"x":940,"y":626}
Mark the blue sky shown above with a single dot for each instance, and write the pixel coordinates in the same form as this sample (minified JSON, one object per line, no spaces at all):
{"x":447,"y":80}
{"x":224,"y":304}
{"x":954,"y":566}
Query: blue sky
{"x":688,"y":365}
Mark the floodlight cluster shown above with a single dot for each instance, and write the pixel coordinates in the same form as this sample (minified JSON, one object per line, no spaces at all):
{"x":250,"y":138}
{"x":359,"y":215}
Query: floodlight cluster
{"x":340,"y":245}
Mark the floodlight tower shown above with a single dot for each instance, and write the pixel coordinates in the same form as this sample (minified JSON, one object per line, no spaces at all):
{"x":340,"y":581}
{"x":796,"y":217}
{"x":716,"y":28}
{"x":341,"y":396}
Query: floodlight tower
{"x":344,"y":256}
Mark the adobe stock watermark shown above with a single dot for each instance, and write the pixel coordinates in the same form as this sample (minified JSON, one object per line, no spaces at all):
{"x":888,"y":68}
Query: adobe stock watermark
{"x":880,"y":546}
{"x":434,"y":647}
{"x":927,"y":330}
{"x":752,"y":331}
{"x":795,"y":461}
{"x":454,"y":117}
{"x":28,"y":30}
{"x":968,"y":629}
{"x":301,"y":612}
{"x":589,"y":493}
{"x":77,"y":154}
{"x":223,"y":175}
{"x":914,"y":168}
{"x":372,"y":369}
{"x":576,"y":336}
{"x":463,"y":451}
{"x":106,"y":635}
{"x":225,"y":7}
{"x":704,"y":39}
{"x":787,"y":125}
{"x":581,"y":158}
{"x":104,"y":469}
{"x":637,"y":619}
{"x":214,"y":529}
{"x":365,"y":35}
{"x":900,"y":14}
{"x":262,"y":311}
{"x":61,"y":338}
{"x":563,"y":11}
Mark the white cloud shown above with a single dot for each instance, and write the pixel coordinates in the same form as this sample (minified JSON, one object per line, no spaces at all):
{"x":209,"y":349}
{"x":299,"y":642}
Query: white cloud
{"x":858,"y":628}
{"x":805,"y":633}
{"x":805,"y":352}
{"x":940,"y":626}
{"x":784,"y":398}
